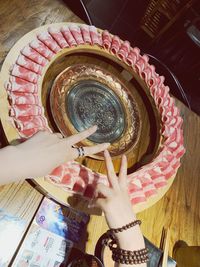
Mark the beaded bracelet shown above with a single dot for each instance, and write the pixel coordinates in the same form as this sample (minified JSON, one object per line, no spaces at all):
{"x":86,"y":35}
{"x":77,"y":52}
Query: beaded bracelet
{"x":123,"y":228}
{"x":125,"y":256}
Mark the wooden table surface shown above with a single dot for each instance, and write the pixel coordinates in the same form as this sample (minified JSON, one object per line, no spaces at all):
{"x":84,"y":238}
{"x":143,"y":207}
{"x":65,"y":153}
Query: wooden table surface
{"x":179,"y":209}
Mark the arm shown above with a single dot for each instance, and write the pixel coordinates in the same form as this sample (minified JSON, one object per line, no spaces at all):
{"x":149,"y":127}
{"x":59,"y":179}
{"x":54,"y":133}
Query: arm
{"x":115,"y":203}
{"x":40,"y":154}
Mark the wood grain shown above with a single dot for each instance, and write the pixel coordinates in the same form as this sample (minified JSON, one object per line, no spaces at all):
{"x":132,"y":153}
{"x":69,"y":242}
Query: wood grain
{"x":179,"y":209}
{"x":20,"y":199}
{"x":19,"y":17}
{"x":166,"y":248}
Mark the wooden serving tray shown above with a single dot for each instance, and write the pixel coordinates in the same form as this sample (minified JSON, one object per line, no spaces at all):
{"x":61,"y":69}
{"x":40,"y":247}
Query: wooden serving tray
{"x":149,"y":139}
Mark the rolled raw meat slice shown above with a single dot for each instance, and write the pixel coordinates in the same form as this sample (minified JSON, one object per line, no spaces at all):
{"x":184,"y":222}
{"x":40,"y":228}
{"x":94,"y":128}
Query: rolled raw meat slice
{"x":58,"y":36}
{"x":141,"y":64}
{"x":150,"y":190}
{"x":179,"y":151}
{"x":68,"y":36}
{"x":170,"y":171}
{"x":85,"y":31}
{"x":106,"y":39}
{"x":94,"y":35}
{"x":169,"y":115}
{"x":34,"y":55}
{"x":47,"y":39}
{"x":156,"y":89}
{"x":24,"y":74}
{"x":28,"y":122}
{"x":83,"y":179}
{"x":42,"y":49}
{"x":176,"y":122}
{"x":160,"y":181}
{"x":124,"y":50}
{"x":174,"y":140}
{"x":168,"y":102}
{"x":115,"y":45}
{"x":76,"y":32}
{"x":25,"y":110}
{"x":137,"y":198}
{"x":19,"y":98}
{"x":164,"y":90}
{"x":133,"y":56}
{"x":136,"y":192}
{"x":79,"y":186}
{"x":29,"y":64}
{"x":100,"y":39}
{"x":62,"y":177}
{"x":147,"y":74}
{"x":16,"y":84}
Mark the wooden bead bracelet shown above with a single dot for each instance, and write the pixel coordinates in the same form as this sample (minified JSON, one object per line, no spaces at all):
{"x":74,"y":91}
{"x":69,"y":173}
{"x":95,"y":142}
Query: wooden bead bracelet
{"x":123,"y":228}
{"x":121,"y":255}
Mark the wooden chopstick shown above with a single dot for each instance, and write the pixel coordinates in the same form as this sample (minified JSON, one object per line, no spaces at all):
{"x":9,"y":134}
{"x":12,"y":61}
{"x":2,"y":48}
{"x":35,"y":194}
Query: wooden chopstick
{"x":166,"y":249}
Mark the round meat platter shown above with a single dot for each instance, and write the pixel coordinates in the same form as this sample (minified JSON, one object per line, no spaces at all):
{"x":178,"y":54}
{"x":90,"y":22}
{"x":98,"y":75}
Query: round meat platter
{"x":66,"y":77}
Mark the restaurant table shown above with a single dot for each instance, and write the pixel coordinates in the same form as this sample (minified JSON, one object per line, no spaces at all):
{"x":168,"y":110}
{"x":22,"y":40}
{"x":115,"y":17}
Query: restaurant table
{"x":179,"y":208}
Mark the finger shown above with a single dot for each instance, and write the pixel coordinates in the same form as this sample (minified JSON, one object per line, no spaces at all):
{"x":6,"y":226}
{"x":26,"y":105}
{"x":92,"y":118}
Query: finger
{"x":110,"y":170}
{"x":103,"y":191}
{"x":123,"y":172}
{"x":80,"y":136}
{"x":89,"y":150}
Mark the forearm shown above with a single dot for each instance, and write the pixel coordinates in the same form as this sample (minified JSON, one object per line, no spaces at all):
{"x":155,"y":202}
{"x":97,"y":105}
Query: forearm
{"x":126,"y":236}
{"x":10,"y":165}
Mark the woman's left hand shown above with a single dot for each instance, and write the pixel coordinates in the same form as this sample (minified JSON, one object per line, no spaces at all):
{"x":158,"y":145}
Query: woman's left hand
{"x":43,"y":152}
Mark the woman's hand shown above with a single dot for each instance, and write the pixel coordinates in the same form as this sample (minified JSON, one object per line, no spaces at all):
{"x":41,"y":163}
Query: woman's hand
{"x":40,"y":154}
{"x":116,"y":205}
{"x":114,"y":200}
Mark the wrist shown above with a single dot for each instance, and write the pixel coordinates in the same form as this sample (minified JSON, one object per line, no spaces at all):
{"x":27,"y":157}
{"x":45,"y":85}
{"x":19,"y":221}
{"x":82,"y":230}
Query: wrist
{"x":127,"y":245}
{"x":128,"y":236}
{"x":131,"y":239}
{"x":118,"y":221}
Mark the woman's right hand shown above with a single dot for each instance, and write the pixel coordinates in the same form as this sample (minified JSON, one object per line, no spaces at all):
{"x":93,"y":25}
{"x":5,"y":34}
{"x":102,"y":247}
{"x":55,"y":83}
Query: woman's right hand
{"x":114,"y":200}
{"x":116,"y":205}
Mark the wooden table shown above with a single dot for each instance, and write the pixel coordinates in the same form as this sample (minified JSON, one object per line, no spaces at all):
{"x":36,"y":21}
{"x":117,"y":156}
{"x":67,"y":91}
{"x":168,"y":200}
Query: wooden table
{"x":179,"y":209}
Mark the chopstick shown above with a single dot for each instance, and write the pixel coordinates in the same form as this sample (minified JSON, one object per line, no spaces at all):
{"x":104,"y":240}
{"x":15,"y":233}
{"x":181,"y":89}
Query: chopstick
{"x":166,"y":249}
